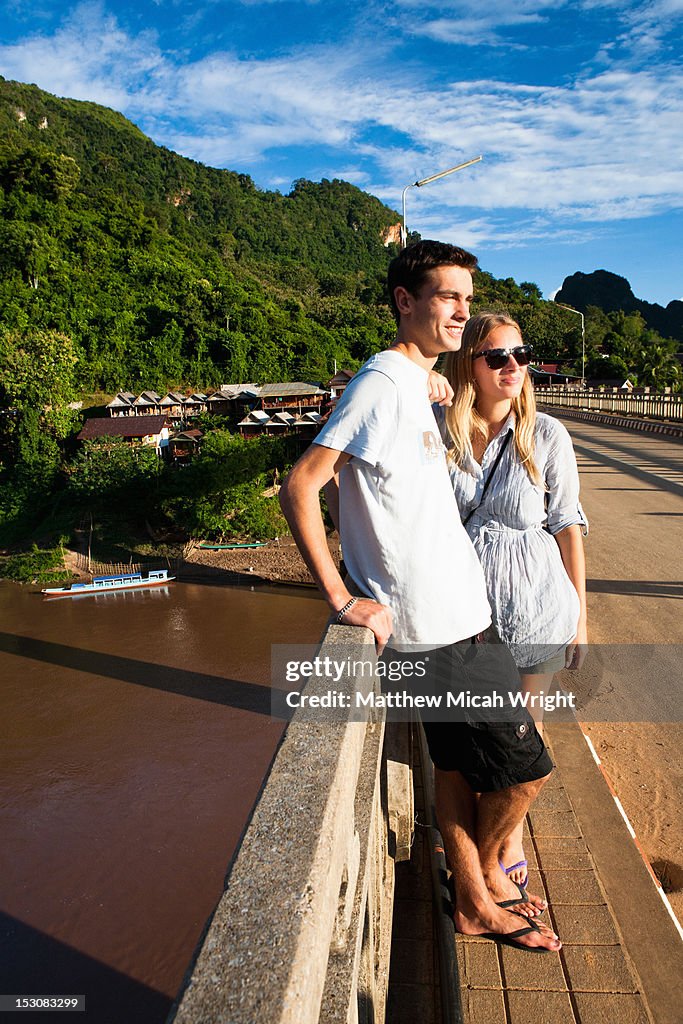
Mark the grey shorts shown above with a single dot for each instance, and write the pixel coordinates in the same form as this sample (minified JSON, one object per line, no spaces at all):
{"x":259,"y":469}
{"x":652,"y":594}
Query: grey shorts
{"x":548,"y":667}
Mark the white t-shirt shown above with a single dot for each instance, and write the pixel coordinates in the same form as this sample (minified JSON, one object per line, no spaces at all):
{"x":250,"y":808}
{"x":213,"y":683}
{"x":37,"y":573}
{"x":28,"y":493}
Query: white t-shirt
{"x":402,"y":538}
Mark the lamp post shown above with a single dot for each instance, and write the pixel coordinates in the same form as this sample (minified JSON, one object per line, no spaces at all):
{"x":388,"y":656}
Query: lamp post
{"x":426,"y":181}
{"x":578,"y":312}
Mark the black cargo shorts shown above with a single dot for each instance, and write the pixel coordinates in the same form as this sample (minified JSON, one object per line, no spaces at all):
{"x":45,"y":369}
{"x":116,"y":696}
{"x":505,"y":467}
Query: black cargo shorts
{"x":493,"y":747}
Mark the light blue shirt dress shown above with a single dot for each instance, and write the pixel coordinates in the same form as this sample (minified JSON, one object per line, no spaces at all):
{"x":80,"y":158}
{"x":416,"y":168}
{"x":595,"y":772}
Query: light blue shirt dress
{"x":534,"y":603}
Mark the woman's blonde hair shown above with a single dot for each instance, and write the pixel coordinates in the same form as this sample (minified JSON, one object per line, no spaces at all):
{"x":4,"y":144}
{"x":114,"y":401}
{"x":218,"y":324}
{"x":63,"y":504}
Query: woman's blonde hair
{"x":462,"y":419}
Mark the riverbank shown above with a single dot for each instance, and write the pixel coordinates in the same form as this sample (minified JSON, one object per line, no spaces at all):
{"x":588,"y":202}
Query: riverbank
{"x":277,"y":562}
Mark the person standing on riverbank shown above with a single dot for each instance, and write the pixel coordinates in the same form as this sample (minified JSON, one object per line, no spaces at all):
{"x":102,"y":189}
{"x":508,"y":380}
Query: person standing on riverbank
{"x":418,"y":580}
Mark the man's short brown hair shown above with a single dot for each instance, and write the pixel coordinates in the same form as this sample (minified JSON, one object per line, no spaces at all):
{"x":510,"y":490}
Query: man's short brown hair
{"x":412,"y":266}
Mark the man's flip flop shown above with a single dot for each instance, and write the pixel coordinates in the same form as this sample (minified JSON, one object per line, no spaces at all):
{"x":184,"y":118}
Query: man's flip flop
{"x":511,"y":938}
{"x":522,"y":898}
{"x":513,"y":867}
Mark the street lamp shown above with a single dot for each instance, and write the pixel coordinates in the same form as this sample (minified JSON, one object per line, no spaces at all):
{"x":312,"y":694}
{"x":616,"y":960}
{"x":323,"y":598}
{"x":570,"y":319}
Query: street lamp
{"x":426,"y":181}
{"x":578,"y":312}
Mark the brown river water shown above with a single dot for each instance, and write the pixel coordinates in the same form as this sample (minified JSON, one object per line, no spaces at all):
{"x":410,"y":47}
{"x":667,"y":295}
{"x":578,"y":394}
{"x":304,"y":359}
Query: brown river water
{"x":135,"y":734}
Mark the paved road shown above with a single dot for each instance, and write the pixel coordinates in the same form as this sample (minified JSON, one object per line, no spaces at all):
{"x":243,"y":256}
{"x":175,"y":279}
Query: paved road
{"x":632,"y":490}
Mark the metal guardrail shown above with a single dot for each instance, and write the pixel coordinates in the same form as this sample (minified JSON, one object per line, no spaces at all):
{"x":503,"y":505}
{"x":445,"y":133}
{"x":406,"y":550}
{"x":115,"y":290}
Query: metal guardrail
{"x":607,"y":419}
{"x":641,"y":403}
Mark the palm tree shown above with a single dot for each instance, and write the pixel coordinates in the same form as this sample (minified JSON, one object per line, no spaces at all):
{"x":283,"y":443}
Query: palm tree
{"x":659,"y":367}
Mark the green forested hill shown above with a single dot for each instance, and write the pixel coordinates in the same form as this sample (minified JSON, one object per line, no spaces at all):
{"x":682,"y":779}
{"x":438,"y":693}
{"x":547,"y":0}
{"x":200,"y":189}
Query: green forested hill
{"x":126,"y":266}
{"x":162,"y":270}
{"x":611,"y":293}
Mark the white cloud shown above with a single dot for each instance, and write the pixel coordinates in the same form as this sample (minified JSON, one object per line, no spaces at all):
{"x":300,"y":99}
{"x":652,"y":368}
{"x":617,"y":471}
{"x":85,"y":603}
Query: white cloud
{"x":352,"y":174}
{"x":78,"y":60}
{"x":601,"y":147}
{"x":470,"y":23}
{"x":645,"y":23}
{"x":649,"y":24}
{"x":498,"y":232}
{"x":470,"y":31}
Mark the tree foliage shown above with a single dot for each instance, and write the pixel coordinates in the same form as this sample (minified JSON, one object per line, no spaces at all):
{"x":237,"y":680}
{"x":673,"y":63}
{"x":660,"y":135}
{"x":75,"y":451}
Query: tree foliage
{"x":104,"y":473}
{"x":221,"y":493}
{"x":164,"y":271}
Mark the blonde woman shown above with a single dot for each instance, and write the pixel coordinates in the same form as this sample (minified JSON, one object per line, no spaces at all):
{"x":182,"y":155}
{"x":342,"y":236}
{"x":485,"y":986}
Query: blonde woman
{"x":516,"y":483}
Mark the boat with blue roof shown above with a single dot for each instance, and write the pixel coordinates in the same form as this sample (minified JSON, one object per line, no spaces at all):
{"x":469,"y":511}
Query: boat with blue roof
{"x":106,"y":584}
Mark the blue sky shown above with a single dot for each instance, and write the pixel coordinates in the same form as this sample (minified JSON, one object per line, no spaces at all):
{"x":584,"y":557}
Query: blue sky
{"x":576,"y":106}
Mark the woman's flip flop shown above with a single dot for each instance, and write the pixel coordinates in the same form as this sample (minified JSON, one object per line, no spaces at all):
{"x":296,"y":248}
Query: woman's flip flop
{"x":513,"y":867}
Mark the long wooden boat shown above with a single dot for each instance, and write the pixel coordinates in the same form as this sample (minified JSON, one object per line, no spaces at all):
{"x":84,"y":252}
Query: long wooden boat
{"x":208,"y":546}
{"x":105,"y":584}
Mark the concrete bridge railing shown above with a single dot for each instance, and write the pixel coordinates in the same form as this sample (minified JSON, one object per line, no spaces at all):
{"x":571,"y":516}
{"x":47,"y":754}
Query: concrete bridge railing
{"x":302,"y":932}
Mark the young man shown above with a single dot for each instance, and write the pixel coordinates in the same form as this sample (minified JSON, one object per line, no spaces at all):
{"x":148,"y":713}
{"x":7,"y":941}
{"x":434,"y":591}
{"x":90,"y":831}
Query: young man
{"x":420,"y":580}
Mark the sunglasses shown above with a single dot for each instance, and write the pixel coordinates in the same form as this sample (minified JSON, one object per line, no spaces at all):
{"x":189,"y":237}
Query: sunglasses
{"x":497,"y":358}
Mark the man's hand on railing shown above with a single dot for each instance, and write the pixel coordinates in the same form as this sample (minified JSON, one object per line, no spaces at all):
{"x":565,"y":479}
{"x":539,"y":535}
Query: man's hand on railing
{"x":374,"y":616}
